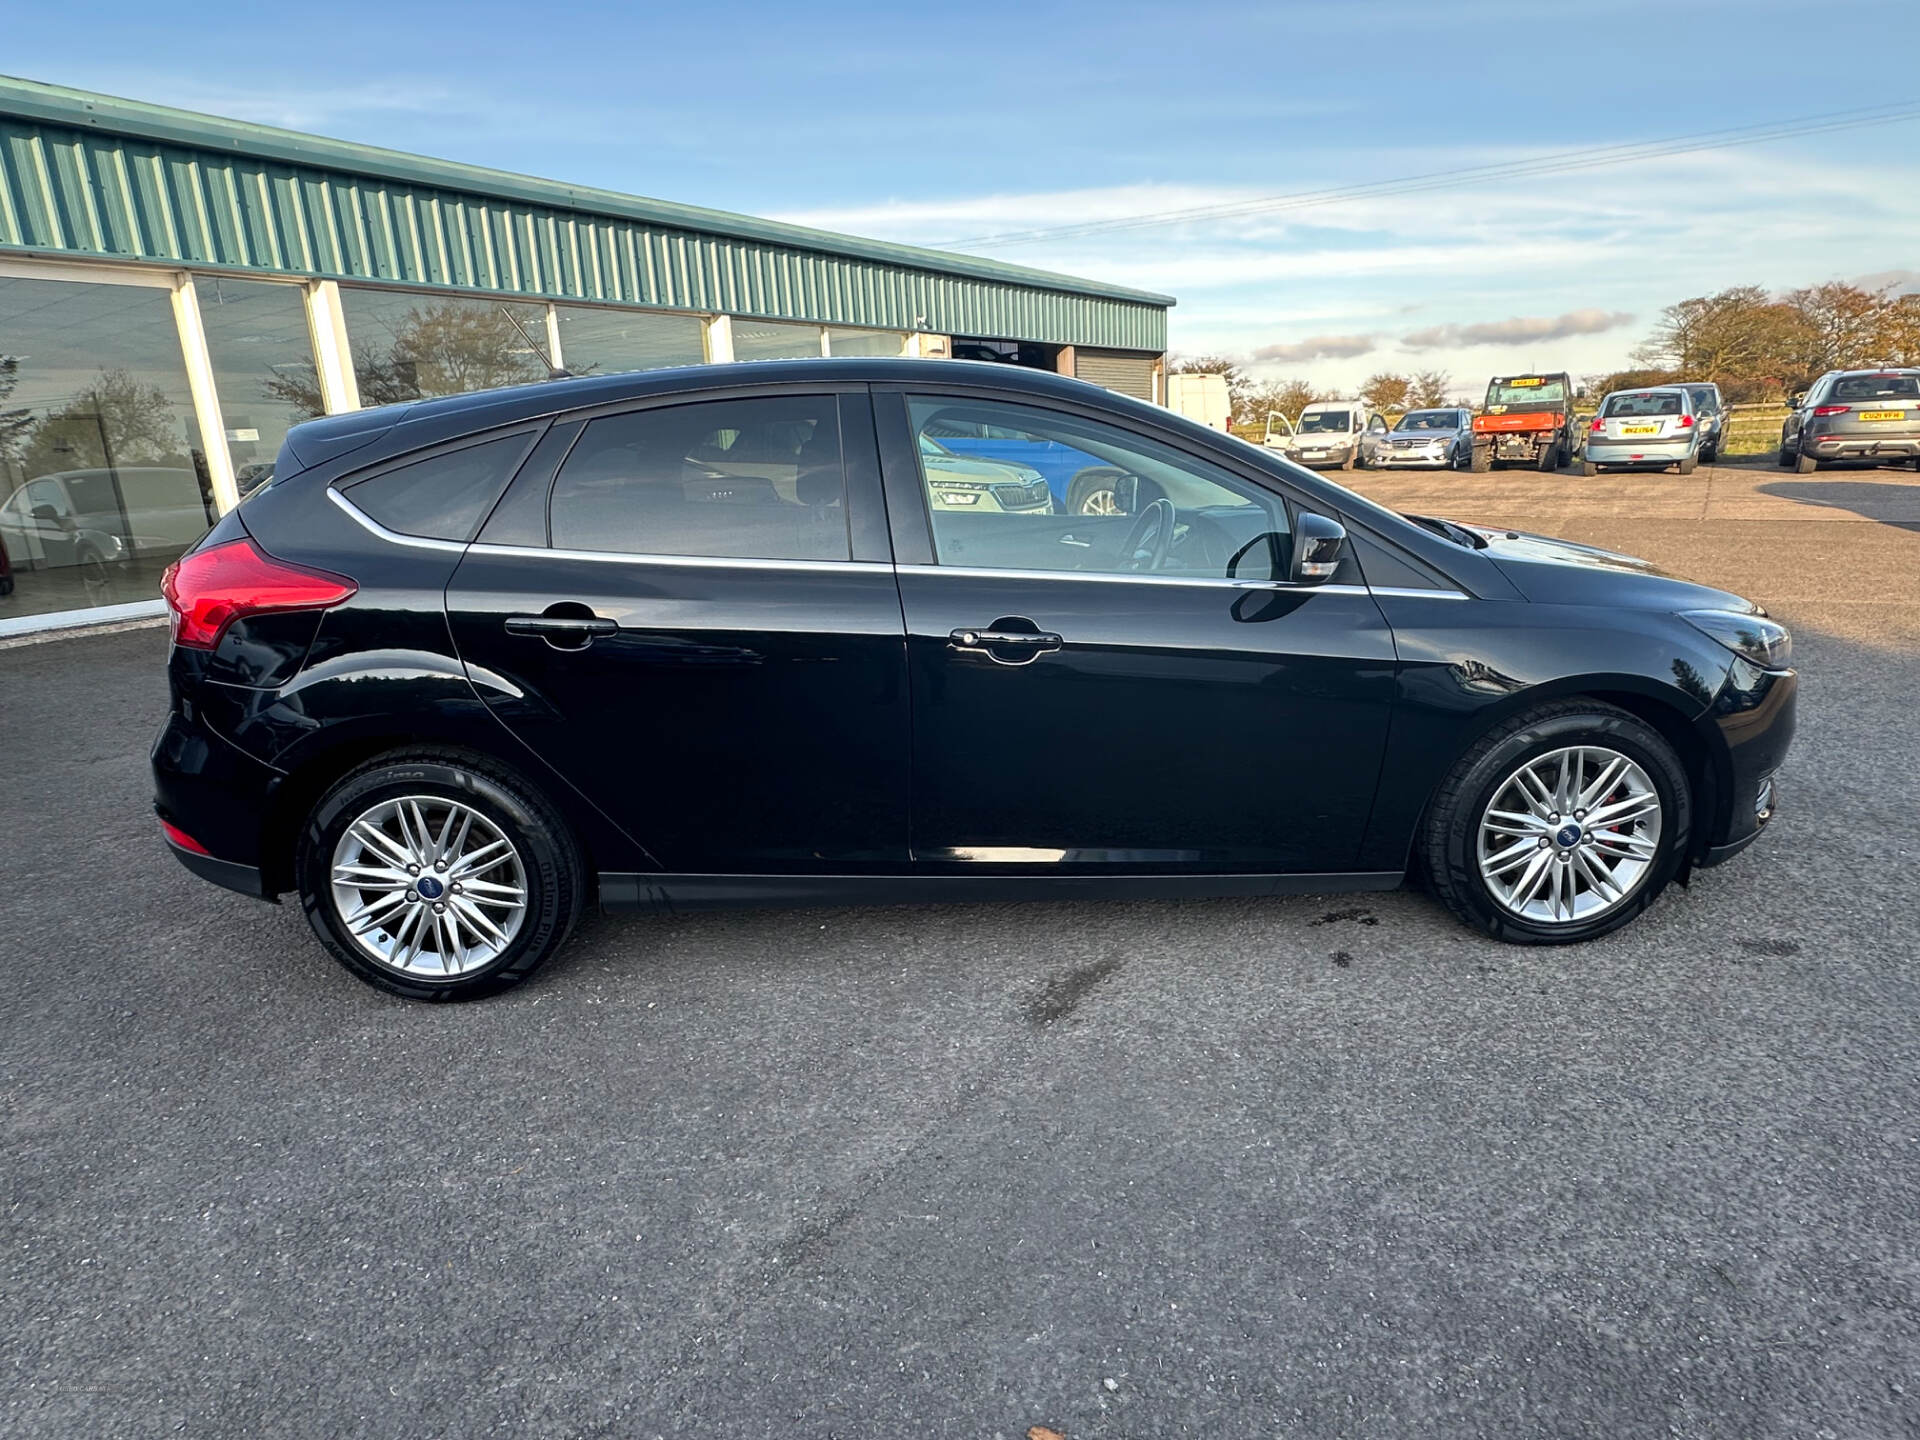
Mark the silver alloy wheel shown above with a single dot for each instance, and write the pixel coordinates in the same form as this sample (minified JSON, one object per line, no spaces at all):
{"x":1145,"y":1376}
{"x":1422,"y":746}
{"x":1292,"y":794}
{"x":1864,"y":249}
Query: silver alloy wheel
{"x":1100,"y":502}
{"x":1570,"y":835}
{"x":428,"y":887}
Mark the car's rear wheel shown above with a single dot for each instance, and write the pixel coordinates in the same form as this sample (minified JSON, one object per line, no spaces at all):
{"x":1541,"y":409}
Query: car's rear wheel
{"x":1804,"y":464}
{"x":1688,"y":465}
{"x":1587,"y":467}
{"x":438,"y":875}
{"x":1560,"y":826}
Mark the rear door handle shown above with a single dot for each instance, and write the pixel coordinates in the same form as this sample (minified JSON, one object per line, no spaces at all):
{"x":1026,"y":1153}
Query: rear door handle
{"x":563,"y":631}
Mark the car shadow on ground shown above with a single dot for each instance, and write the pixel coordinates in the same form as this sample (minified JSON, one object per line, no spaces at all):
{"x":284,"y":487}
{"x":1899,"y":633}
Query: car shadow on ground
{"x":1895,"y":505}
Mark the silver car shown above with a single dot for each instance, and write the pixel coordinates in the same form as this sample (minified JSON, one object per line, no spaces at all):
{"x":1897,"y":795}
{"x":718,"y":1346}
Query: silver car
{"x":1854,"y":415}
{"x":1646,"y":429}
{"x":1424,"y":439}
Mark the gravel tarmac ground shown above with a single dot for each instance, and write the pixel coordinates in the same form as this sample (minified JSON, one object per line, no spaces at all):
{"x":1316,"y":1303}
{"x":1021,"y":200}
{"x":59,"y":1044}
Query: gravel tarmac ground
{"x":1299,"y":1167}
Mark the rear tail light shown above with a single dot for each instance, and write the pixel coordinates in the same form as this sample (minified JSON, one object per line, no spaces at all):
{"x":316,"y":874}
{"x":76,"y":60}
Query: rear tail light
{"x":1686,"y":422}
{"x":1598,"y":427}
{"x":1825,"y":410}
{"x":210,"y":589}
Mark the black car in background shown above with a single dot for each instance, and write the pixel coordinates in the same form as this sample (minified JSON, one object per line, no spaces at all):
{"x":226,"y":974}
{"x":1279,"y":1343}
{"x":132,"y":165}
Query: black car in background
{"x":698,"y":637}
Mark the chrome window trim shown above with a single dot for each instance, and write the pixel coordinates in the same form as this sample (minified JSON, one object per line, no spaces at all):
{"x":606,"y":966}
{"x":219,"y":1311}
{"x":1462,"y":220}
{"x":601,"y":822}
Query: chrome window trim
{"x":393,"y":537}
{"x":857,"y":567}
{"x":1207,"y":581}
{"x":697,"y":562}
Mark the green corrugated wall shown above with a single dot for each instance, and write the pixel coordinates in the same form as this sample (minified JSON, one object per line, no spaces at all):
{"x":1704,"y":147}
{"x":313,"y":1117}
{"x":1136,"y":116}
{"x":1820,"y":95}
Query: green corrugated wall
{"x":118,"y":182}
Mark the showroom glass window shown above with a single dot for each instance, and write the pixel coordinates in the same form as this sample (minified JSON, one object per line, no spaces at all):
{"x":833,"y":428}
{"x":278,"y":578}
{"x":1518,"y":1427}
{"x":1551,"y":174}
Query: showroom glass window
{"x":263,"y":368}
{"x":865,"y":342}
{"x":745,"y":479}
{"x":1016,"y":487}
{"x":594,"y":341}
{"x":413,"y":346}
{"x":772,"y":340}
{"x":103,"y":481}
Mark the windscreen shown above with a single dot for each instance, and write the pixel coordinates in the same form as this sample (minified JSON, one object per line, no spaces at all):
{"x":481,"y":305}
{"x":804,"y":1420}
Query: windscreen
{"x":1325,"y":422}
{"x":1429,"y":420}
{"x":1525,"y":390}
{"x":1876,"y":387}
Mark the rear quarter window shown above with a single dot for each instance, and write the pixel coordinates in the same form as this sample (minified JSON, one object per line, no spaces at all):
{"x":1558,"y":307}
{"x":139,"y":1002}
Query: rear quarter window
{"x":445,"y":496}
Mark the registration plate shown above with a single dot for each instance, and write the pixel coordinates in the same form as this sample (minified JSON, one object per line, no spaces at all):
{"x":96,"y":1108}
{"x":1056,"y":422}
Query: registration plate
{"x":1883,"y":414}
{"x":1639,"y":429}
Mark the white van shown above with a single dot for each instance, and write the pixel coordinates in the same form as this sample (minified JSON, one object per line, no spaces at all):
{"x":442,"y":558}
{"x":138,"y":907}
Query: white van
{"x":1327,"y":433}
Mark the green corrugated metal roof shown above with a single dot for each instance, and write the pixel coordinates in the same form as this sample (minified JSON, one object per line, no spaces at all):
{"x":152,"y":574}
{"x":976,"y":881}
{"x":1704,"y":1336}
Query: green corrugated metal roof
{"x":91,"y":175}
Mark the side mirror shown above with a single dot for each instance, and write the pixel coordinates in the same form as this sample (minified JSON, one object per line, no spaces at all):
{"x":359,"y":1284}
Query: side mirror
{"x":1317,"y":542}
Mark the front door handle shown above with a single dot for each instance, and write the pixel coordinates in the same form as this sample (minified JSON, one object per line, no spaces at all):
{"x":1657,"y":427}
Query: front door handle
{"x":1006,"y":646}
{"x":564,"y":627}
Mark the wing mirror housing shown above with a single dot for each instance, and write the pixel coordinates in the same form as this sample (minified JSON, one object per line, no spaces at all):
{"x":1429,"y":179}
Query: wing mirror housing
{"x":1317,"y":543}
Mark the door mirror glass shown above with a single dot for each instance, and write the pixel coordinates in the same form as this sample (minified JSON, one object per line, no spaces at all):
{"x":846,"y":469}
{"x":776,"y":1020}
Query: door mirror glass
{"x":1317,"y":545}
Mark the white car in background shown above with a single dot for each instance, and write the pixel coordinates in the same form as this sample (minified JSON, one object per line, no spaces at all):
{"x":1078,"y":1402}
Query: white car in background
{"x":1328,"y":433}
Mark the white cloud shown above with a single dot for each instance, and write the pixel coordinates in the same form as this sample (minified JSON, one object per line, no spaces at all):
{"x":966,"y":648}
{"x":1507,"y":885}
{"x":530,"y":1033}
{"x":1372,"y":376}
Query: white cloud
{"x":1320,"y":347}
{"x":1519,"y":330}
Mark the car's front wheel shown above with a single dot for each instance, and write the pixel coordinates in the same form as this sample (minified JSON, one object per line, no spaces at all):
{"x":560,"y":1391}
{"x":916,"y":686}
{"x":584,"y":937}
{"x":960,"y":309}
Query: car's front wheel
{"x":1561,"y":825}
{"x":438,"y":875}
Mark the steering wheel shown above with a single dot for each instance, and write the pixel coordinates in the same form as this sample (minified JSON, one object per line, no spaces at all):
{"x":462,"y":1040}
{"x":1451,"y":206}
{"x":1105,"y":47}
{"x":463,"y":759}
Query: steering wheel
{"x":1145,"y":547}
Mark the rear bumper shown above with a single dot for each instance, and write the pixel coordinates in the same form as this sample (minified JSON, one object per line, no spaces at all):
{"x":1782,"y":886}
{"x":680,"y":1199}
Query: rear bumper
{"x":218,"y":796}
{"x":1901,"y":446}
{"x":246,"y":879}
{"x":1631,"y":452}
{"x":1754,"y":718}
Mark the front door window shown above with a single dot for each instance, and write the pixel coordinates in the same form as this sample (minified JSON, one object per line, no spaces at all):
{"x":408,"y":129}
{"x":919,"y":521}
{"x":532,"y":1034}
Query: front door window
{"x":1015,"y":487}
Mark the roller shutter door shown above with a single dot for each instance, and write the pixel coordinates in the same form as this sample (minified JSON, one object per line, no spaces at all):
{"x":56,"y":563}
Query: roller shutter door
{"x":1128,"y":371}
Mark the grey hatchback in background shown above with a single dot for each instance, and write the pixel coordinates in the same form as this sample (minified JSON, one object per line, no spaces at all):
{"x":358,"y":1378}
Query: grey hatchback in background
{"x":1871,"y":415}
{"x":1710,"y":413}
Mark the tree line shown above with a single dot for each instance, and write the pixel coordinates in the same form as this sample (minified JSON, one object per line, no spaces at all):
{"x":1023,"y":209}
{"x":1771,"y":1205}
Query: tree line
{"x":1756,"y":345}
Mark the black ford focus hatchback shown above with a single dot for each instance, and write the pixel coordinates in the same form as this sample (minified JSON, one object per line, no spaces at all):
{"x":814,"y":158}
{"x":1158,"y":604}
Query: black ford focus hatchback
{"x":854,"y":630}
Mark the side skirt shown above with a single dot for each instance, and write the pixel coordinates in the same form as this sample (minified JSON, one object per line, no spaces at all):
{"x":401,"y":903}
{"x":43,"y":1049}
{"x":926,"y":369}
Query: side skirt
{"x":625,"y":891}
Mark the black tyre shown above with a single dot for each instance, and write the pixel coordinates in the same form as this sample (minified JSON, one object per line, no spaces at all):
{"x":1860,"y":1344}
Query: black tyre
{"x":1787,"y":457}
{"x":438,"y":875}
{"x":1688,"y":465}
{"x":1548,"y":459}
{"x":1805,"y":464}
{"x":1480,"y":460}
{"x":1496,"y":856}
{"x":1711,"y":453}
{"x":1587,"y":467}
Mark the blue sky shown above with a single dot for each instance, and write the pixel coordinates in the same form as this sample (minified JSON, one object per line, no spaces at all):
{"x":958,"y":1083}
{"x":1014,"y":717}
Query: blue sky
{"x":934,"y":123}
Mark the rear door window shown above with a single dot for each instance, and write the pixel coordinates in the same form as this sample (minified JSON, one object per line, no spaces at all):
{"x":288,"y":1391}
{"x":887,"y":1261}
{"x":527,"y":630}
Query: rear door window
{"x":757,"y":478}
